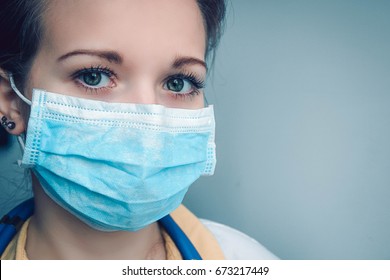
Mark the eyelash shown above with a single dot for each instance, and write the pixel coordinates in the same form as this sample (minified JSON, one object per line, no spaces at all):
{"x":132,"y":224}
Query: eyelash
{"x":94,"y":69}
{"x":196,"y":82}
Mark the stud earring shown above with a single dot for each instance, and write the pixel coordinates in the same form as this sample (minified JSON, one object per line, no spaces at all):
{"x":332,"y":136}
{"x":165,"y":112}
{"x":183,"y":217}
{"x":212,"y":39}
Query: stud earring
{"x":8,"y":124}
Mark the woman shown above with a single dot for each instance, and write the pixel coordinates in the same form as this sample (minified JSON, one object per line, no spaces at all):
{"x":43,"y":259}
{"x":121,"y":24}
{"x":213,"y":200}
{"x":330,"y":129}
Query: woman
{"x":107,"y":100}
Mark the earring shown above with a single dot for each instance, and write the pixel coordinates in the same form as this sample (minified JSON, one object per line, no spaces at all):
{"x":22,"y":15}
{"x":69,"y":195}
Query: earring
{"x":9,"y":124}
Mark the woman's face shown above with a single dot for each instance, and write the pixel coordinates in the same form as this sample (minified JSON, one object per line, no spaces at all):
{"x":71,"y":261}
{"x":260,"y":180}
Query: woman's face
{"x":129,"y":51}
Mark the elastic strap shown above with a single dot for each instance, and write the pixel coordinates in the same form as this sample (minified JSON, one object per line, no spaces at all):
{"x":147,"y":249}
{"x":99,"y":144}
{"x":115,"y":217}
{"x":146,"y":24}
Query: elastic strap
{"x":13,"y":86}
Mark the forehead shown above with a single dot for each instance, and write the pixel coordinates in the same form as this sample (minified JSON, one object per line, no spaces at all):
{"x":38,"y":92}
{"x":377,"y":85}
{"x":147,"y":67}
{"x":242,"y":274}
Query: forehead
{"x":133,"y":27}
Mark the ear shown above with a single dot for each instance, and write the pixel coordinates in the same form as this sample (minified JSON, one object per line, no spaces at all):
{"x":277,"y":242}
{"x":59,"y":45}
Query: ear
{"x":9,"y":105}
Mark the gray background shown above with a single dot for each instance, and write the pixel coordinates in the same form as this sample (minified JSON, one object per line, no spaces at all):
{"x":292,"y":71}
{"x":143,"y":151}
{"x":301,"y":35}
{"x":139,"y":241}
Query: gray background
{"x":301,"y":93}
{"x":301,"y":90}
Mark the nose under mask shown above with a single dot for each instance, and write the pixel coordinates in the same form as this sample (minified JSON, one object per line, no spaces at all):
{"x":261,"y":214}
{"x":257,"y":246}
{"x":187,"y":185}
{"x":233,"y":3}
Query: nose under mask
{"x":116,"y":166}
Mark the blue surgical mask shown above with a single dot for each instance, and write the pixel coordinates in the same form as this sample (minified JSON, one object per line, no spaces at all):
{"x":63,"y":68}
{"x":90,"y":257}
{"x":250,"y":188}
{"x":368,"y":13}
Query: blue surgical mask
{"x":117,"y":166}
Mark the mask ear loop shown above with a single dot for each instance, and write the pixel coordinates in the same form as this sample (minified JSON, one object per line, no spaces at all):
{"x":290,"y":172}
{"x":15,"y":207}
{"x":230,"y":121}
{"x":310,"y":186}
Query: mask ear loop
{"x":21,"y":137}
{"x":13,"y":86}
{"x":21,"y":141}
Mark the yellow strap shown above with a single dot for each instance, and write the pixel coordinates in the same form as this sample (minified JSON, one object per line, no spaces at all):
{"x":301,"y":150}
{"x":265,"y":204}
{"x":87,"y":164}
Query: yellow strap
{"x":16,"y":248}
{"x":200,"y":236}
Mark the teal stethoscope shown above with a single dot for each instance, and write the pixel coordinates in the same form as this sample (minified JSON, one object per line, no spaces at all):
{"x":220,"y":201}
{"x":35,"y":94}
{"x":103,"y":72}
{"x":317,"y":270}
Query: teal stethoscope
{"x":12,"y":222}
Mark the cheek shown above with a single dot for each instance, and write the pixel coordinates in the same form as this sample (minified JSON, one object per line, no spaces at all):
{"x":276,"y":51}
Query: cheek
{"x":22,"y":106}
{"x":31,"y":81}
{"x":24,"y":110}
{"x":41,"y":72}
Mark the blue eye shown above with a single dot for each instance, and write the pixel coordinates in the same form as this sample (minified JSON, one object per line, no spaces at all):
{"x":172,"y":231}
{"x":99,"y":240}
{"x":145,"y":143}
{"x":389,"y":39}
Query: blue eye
{"x":183,"y":84}
{"x":94,"y":78}
{"x":179,"y":85}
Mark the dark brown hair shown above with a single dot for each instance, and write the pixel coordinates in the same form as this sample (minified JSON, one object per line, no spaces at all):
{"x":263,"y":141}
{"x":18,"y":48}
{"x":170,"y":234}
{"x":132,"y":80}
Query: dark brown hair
{"x":20,"y":33}
{"x":21,"y":30}
{"x":213,"y":12}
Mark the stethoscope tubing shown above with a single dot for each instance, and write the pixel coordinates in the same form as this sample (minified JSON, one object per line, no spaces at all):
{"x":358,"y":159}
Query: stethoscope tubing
{"x":11,"y":223}
{"x":185,"y":246}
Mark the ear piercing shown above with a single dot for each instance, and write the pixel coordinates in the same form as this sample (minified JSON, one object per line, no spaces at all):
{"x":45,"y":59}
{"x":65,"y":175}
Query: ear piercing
{"x":8,"y":124}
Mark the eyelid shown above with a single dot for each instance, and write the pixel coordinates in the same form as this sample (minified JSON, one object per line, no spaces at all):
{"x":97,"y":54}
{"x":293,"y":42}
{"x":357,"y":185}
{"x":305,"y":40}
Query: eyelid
{"x":197,"y":84}
{"x":97,"y":69}
{"x":193,"y":78}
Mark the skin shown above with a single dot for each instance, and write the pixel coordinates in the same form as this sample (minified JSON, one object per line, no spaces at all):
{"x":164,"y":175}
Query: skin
{"x":145,"y":43}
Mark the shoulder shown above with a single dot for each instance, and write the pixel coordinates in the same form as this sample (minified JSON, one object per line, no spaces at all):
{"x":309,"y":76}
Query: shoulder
{"x":237,"y":245}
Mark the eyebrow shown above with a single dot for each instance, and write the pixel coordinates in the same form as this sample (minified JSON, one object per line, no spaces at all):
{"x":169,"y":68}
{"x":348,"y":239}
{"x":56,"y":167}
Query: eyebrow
{"x":110,"y":56}
{"x":187,"y":60}
{"x":116,"y":58}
